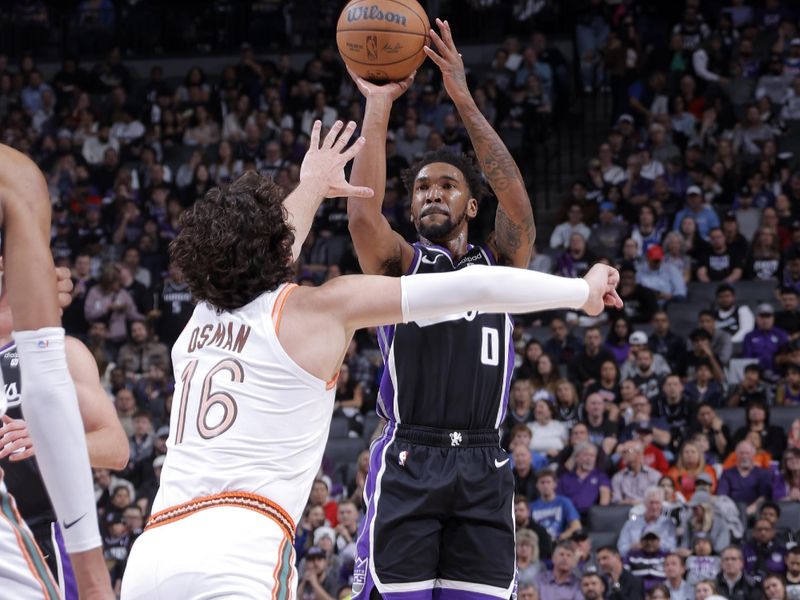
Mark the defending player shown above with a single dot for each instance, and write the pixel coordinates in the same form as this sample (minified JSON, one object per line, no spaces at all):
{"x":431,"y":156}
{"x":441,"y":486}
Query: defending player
{"x":440,"y":503}
{"x":256,"y":368}
{"x":105,"y":439}
{"x":51,"y":407}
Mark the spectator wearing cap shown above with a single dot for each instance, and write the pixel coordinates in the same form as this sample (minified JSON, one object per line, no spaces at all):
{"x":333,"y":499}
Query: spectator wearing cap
{"x":666,"y":281}
{"x":325,"y":538}
{"x":318,"y":579}
{"x":628,"y":486}
{"x":647,"y":561}
{"x":704,"y":216}
{"x":735,"y":319}
{"x":608,"y":234}
{"x":562,"y":233}
{"x":663,"y":341}
{"x":721,"y":263}
{"x":745,"y":482}
{"x":653,"y":520}
{"x":732,"y":581}
{"x":583,"y":552}
{"x":638,"y":341}
{"x":585,"y":485}
{"x":703,"y":521}
{"x":764,"y":341}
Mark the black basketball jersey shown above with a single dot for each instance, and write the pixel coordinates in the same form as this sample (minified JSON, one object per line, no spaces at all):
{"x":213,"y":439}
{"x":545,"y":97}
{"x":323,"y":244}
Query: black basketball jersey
{"x":452,"y":372}
{"x":22,"y":478}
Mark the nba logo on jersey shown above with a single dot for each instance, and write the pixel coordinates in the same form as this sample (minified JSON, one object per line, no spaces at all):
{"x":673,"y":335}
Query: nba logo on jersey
{"x":359,"y":575}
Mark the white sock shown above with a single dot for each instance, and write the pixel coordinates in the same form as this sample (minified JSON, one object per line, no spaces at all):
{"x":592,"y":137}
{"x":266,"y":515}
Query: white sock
{"x":50,"y":408}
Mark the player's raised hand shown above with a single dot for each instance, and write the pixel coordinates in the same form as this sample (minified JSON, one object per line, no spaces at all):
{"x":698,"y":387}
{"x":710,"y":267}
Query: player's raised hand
{"x":603,"y":281}
{"x":448,"y":60}
{"x":324,"y":164}
{"x":390,"y":91}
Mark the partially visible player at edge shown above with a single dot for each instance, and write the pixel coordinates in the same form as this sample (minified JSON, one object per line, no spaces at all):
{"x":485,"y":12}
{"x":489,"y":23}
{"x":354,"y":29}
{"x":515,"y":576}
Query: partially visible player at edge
{"x":256,"y":367}
{"x":439,"y":492}
{"x":105,"y":439}
{"x":51,"y":407}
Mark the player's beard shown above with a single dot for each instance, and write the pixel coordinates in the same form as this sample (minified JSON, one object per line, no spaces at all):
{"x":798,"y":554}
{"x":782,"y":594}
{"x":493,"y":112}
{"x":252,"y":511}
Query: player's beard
{"x":436,"y":232}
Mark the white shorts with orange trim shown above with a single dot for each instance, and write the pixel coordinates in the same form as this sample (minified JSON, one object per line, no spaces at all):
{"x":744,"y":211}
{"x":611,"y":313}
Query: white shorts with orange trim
{"x":219,"y":552}
{"x":23,"y":573}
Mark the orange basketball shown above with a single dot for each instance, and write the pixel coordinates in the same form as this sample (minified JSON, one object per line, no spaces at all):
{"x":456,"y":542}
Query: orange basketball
{"x":382,"y":40}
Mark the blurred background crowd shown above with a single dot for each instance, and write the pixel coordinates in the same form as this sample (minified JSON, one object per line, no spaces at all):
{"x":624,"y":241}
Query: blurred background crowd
{"x":656,"y":449}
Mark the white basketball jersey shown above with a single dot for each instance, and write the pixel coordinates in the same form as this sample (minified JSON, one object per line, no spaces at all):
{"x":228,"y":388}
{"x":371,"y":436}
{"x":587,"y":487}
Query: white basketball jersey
{"x":245,"y":417}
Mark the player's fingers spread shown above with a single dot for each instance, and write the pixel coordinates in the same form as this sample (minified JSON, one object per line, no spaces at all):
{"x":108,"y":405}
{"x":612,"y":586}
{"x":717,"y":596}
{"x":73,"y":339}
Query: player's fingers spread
{"x":433,"y":56}
{"x":438,"y":42}
{"x":351,"y":152}
{"x":315,"y":129}
{"x":332,"y":134}
{"x":346,"y":135}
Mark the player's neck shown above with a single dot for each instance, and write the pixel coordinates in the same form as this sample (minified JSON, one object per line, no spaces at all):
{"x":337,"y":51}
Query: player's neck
{"x":457,"y":246}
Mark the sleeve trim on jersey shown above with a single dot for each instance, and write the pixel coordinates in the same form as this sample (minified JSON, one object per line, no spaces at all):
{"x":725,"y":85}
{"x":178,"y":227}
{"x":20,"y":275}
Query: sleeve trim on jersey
{"x":277,"y":308}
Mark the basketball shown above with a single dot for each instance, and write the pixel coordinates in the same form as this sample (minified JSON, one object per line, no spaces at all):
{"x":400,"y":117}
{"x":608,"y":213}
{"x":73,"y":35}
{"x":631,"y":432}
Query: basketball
{"x":382,"y":40}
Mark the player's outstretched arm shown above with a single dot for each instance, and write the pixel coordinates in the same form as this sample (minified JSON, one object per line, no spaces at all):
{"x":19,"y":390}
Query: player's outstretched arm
{"x":105,"y":438}
{"x":379,"y":248}
{"x":515,"y":231}
{"x":50,"y":405}
{"x":322,"y":176}
{"x":331,"y":313}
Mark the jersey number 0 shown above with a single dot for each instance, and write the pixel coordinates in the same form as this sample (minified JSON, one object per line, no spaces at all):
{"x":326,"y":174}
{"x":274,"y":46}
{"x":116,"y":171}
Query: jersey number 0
{"x":209,"y":399}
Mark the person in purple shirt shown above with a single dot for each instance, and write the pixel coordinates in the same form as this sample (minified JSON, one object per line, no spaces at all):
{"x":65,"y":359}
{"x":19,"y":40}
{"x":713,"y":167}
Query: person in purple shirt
{"x":765,"y":340}
{"x":763,"y":554}
{"x":561,"y":582}
{"x":585,"y":485}
{"x":745,"y":482}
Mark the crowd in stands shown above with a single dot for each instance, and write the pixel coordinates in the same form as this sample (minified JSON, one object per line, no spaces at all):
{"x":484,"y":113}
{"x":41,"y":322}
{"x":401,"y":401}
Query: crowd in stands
{"x":664,"y":408}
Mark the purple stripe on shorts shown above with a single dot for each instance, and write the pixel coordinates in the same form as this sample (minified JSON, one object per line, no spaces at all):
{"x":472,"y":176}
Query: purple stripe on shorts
{"x":68,"y":583}
{"x":363,"y":550}
{"x":386,"y":390}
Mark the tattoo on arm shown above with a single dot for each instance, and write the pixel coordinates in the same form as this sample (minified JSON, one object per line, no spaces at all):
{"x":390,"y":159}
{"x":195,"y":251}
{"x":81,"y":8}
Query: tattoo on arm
{"x":496,"y":161}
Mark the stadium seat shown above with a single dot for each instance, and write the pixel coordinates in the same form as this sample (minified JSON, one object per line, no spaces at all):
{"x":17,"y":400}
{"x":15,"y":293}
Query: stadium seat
{"x":784,"y":416}
{"x":732,"y":417}
{"x":343,"y":451}
{"x":683,"y":316}
{"x":790,"y":515}
{"x":338,"y":428}
{"x":605,"y":523}
{"x":747,"y":292}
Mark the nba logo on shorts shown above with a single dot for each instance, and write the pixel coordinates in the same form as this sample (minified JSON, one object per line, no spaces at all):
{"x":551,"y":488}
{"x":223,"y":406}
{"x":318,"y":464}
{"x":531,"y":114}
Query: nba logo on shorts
{"x":42,"y":344}
{"x":372,"y":47}
{"x":359,"y":575}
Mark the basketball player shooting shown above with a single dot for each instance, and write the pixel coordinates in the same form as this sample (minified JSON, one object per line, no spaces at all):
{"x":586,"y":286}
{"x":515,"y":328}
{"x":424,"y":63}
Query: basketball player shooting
{"x":440,"y":491}
{"x":51,"y":406}
{"x":256,"y":367}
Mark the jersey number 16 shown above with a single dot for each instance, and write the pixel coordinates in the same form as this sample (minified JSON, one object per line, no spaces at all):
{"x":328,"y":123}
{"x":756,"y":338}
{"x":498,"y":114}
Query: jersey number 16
{"x":209,"y":399}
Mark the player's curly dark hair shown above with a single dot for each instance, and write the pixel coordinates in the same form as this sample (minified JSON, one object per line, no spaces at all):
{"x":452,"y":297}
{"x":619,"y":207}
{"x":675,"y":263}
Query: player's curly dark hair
{"x":235,"y":242}
{"x":462,"y":162}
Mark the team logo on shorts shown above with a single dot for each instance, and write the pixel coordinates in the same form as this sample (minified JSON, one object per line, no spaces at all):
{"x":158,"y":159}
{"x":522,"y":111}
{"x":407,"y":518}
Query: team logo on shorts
{"x":455,"y":438}
{"x":359,"y":575}
{"x":403,"y":458}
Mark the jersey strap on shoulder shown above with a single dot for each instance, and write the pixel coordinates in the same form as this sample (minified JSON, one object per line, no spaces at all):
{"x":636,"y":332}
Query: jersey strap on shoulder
{"x":280,"y":301}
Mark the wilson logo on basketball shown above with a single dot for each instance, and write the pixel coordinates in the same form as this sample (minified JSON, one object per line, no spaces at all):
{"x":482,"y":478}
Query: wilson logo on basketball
{"x":374,"y":13}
